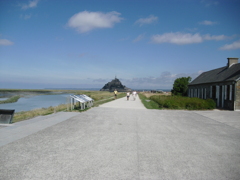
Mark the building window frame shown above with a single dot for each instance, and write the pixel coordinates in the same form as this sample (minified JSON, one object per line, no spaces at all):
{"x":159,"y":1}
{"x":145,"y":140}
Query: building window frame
{"x":230,"y":92}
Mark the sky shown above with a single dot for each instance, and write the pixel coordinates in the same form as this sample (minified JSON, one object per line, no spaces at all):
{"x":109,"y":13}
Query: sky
{"x":87,"y":43}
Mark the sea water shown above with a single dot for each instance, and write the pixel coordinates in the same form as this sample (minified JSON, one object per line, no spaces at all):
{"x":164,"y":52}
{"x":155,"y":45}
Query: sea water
{"x":36,"y":102}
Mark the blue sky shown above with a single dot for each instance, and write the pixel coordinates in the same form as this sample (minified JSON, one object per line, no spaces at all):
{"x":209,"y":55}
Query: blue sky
{"x":85,"y":43}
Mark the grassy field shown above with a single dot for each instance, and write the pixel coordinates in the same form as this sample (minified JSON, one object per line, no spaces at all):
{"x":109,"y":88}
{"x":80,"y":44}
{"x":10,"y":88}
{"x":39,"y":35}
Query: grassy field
{"x":100,"y":97}
{"x":149,"y":104}
{"x":182,"y":102}
{"x":154,"y":101}
{"x":23,"y":115}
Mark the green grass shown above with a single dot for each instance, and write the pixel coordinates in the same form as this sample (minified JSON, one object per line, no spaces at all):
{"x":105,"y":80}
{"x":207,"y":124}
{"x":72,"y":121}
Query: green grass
{"x":10,"y":100}
{"x":180,"y":102}
{"x":149,"y":104}
{"x":23,"y":115}
{"x":176,"y":102}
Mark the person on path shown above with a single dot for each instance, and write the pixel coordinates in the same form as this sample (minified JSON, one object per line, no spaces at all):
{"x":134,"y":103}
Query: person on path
{"x":134,"y":95}
{"x":115,"y":94}
{"x":128,"y":94}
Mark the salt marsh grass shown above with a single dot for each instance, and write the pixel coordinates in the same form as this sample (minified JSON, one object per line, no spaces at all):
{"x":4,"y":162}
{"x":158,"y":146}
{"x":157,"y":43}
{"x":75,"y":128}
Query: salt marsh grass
{"x":10,"y":100}
{"x":23,"y":115}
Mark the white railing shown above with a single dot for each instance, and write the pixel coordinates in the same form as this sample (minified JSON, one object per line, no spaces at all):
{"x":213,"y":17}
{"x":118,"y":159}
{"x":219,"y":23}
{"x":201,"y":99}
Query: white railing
{"x":83,"y":101}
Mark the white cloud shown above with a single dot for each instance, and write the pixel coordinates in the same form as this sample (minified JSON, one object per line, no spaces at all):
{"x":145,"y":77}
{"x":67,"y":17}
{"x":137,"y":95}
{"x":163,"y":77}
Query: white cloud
{"x":5,"y":42}
{"x":164,"y":81}
{"x":86,"y":21}
{"x":206,"y":22}
{"x":177,"y":38}
{"x":31,"y":4}
{"x":217,"y":38}
{"x":149,"y":20}
{"x":139,"y":38}
{"x":187,"y":38}
{"x":234,"y":45}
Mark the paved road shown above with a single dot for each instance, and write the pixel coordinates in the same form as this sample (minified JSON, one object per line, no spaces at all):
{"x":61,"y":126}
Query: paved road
{"x":123,"y":140}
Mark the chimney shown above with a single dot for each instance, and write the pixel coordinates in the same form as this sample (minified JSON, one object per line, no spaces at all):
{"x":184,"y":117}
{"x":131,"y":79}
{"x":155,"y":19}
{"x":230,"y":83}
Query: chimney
{"x":232,"y":61}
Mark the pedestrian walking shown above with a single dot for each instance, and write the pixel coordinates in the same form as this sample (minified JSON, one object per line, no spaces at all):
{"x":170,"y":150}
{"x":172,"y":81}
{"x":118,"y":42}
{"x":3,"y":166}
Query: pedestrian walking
{"x":115,"y":94}
{"x":134,"y":95}
{"x":128,"y":94}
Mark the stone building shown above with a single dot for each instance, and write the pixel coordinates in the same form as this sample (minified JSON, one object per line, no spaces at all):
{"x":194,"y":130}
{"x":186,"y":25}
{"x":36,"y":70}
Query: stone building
{"x":115,"y":84}
{"x":221,"y":85}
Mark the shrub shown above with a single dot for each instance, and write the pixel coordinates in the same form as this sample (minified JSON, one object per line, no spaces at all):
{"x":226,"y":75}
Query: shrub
{"x":211,"y":103}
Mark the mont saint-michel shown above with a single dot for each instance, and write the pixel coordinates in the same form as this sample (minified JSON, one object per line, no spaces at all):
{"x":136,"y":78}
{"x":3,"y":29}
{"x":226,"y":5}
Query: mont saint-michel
{"x":115,"y":84}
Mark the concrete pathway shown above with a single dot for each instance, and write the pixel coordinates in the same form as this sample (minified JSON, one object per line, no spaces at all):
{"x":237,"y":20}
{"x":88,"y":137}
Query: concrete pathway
{"x":124,"y":103}
{"x":128,"y":143}
{"x":15,"y":131}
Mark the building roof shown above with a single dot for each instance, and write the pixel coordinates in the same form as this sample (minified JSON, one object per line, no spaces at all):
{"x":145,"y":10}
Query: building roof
{"x":219,"y":75}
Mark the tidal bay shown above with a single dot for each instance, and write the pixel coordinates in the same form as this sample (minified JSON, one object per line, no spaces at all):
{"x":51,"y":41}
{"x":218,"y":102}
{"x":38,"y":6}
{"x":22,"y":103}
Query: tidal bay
{"x":35,"y":102}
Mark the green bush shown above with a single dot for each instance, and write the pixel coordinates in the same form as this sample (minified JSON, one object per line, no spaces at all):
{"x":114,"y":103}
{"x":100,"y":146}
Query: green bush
{"x":180,"y":86}
{"x":211,"y":103}
{"x":179,"y":102}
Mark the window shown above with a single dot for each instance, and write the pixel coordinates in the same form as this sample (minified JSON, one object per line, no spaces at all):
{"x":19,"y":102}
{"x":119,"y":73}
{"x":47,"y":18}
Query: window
{"x":217,"y":94}
{"x":205,"y":93}
{"x":210,"y":91}
{"x":214,"y":92}
{"x":225,"y":94}
{"x":230,"y":92}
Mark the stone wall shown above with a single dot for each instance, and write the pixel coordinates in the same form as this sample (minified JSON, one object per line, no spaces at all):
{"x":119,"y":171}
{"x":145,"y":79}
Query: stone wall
{"x":237,"y":101}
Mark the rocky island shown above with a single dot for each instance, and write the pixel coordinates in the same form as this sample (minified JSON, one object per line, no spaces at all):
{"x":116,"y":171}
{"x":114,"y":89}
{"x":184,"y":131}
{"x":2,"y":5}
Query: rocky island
{"x":115,"y":84}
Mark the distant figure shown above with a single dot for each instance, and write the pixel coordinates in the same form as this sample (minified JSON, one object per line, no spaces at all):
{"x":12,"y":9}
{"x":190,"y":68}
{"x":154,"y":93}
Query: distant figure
{"x":115,"y":94}
{"x":128,"y":94}
{"x":134,"y":93}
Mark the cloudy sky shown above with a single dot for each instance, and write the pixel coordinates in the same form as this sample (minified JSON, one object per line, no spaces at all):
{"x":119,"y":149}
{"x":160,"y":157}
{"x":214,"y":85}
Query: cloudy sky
{"x":86,"y":43}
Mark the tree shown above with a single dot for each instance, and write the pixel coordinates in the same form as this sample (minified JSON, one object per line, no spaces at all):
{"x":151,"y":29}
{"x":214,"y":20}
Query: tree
{"x":180,"y":86}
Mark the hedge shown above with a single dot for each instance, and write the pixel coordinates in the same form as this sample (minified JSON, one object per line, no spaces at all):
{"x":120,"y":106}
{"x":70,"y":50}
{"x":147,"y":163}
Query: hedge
{"x":180,"y":102}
